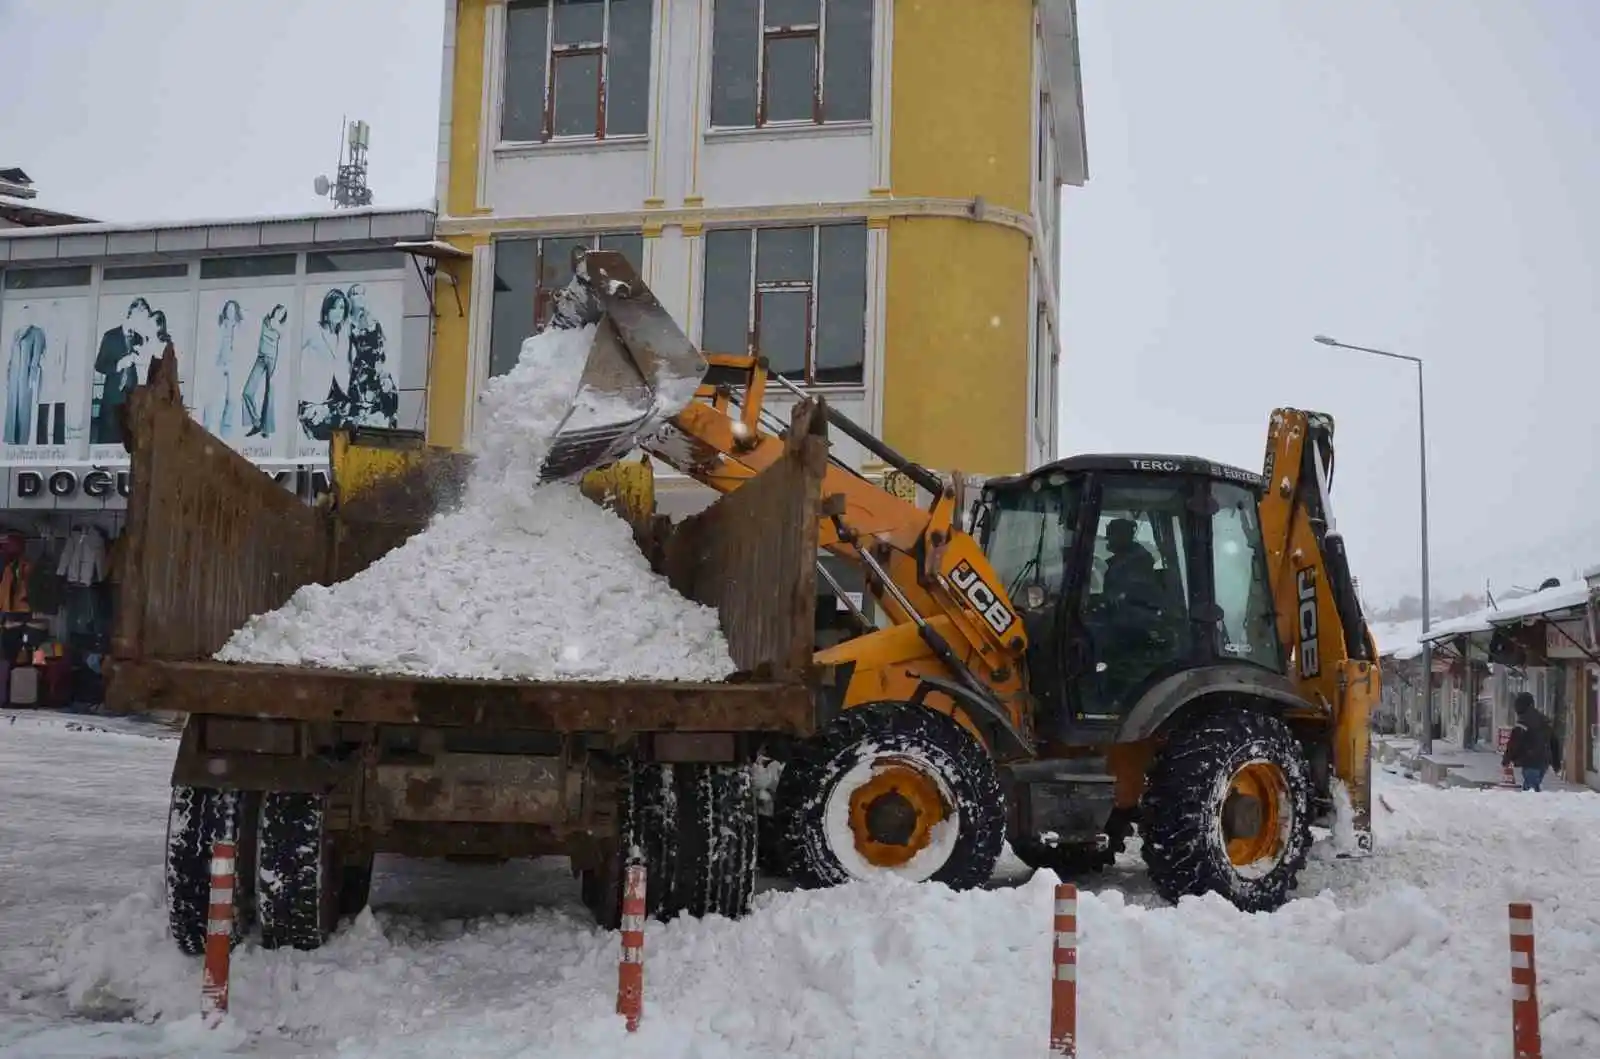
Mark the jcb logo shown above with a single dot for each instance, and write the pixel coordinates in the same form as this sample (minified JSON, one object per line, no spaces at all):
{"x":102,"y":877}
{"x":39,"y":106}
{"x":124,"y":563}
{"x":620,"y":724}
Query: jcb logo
{"x":1306,"y":591}
{"x":985,"y":600}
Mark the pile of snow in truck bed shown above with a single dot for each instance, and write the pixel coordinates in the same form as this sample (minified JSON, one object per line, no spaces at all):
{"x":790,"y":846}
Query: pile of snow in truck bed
{"x":522,"y":581}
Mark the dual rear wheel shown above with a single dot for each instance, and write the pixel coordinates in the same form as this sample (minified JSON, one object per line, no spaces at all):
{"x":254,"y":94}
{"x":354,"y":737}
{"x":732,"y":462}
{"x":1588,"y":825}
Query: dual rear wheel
{"x":292,"y":879}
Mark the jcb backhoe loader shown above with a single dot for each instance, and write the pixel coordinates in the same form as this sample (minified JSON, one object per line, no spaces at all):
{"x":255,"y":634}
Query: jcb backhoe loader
{"x":1156,"y":641}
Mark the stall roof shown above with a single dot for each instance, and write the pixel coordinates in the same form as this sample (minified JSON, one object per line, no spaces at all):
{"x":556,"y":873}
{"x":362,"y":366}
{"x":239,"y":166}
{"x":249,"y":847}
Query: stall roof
{"x":1536,"y":604}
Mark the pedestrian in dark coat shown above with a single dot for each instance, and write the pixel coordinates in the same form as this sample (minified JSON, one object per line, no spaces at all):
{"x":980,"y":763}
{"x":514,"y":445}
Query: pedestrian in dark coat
{"x":1533,"y":747}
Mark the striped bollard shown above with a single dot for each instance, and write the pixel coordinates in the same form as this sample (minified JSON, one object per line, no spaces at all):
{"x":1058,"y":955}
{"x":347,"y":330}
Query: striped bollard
{"x":630,"y":972}
{"x":219,"y":932}
{"x":1524,"y":984}
{"x":1064,"y":978}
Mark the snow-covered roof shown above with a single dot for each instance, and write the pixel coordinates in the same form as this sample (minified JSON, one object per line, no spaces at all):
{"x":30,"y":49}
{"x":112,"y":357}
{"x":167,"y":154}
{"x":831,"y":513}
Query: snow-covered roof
{"x":111,"y":227}
{"x":1536,"y":604}
{"x":1394,"y":636}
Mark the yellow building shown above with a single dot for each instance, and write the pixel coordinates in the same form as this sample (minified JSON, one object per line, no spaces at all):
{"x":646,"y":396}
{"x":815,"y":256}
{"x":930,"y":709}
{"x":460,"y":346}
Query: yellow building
{"x":865,"y":190}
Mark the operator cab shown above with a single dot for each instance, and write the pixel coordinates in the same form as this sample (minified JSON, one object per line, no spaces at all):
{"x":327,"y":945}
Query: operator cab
{"x":1127,"y":570}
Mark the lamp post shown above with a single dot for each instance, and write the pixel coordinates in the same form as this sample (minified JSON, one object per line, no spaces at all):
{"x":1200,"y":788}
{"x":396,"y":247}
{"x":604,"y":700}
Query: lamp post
{"x":1422,"y":462}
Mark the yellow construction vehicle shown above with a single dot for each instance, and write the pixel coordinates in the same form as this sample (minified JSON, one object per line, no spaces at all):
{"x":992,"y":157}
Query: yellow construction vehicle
{"x":1120,"y":641}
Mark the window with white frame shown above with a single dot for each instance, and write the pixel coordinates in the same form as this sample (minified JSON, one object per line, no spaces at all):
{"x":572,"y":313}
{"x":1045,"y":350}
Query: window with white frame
{"x":796,"y":296}
{"x":576,"y":68}
{"x":527,"y":273}
{"x":1042,"y":355}
{"x":790,"y":62}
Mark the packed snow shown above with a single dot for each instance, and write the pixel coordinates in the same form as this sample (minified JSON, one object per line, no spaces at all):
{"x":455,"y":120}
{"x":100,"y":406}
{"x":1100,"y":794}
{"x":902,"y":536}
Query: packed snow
{"x":1400,"y":954}
{"x":521,"y":581}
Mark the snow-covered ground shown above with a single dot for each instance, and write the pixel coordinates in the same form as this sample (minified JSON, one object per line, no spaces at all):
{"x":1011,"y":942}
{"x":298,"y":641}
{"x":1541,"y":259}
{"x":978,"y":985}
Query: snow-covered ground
{"x":1403,"y":954}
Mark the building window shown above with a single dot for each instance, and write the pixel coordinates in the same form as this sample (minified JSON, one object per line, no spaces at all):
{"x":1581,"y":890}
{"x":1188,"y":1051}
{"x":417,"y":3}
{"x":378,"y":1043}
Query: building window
{"x":790,"y":62}
{"x":176,"y":270}
{"x":527,"y":273}
{"x":576,"y":68}
{"x":248,"y":267}
{"x":44,"y":278}
{"x":796,"y":296}
{"x":1041,"y":364}
{"x":319,"y":261}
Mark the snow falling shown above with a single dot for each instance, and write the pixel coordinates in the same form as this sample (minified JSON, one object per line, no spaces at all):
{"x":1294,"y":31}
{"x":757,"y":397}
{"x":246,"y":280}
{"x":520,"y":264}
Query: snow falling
{"x":1402,"y":954}
{"x":522,"y":581}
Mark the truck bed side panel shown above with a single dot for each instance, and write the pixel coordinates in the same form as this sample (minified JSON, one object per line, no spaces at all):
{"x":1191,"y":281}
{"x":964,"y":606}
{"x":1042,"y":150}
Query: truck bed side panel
{"x":211,"y":540}
{"x":752,"y":554}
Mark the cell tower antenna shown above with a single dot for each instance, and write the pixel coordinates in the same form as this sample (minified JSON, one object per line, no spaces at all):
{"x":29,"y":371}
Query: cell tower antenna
{"x":349,"y":186}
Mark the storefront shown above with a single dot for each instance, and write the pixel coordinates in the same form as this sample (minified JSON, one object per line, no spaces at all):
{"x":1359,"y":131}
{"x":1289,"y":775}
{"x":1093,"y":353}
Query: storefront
{"x":283,"y":329}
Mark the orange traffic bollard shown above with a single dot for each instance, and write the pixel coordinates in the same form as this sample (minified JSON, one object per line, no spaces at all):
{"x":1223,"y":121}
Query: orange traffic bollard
{"x":1064,"y":975}
{"x":630,"y":972}
{"x":219,"y":931}
{"x":1524,"y":984}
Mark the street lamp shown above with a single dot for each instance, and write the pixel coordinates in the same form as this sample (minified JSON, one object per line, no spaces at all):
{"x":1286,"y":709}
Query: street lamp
{"x":1422,"y":462}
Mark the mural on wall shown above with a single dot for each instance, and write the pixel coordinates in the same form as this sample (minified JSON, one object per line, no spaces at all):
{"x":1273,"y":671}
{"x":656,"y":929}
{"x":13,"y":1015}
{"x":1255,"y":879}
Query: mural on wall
{"x":45,"y":343}
{"x":133,"y":330}
{"x":348,"y":367}
{"x":242,"y":366}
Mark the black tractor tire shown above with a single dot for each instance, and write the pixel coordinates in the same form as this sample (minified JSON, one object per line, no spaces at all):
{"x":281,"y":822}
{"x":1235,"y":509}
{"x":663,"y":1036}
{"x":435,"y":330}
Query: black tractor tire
{"x":297,"y":881}
{"x":648,"y":834}
{"x":931,"y":744}
{"x":716,"y":855}
{"x":1182,"y":818}
{"x":196,"y":818}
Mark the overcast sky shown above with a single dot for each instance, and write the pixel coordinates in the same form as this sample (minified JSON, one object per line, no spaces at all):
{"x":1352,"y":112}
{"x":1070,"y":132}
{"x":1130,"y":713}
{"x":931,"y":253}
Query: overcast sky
{"x":1418,"y":176}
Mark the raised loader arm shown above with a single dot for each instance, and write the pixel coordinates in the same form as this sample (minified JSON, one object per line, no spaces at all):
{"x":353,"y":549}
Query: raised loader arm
{"x":646,"y":386}
{"x":1332,"y":656}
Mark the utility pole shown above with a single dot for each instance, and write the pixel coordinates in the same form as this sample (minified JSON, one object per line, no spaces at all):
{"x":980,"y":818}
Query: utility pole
{"x":1426,"y":740}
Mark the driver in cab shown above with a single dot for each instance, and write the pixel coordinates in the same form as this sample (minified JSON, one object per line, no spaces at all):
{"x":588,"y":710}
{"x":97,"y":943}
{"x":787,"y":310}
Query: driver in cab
{"x":1132,"y":587}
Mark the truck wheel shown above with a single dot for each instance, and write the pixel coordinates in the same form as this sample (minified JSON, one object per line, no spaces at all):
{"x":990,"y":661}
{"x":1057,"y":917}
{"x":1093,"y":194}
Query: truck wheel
{"x":196,"y":818}
{"x":297,"y":891}
{"x":716,"y":840}
{"x":1227,"y":810}
{"x":894,"y":788}
{"x":648,"y":830}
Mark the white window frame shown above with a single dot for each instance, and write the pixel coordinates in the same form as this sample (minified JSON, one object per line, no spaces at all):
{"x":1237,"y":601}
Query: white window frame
{"x":819,"y":105}
{"x":809,"y":286}
{"x":553,"y":51}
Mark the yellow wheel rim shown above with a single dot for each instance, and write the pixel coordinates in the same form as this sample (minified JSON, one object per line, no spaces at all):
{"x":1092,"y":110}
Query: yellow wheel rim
{"x":1254,"y":813}
{"x":893,"y":814}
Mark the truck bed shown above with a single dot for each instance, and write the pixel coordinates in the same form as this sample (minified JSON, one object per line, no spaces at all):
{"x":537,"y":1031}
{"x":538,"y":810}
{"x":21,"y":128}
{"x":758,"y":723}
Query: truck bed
{"x":227,"y":689}
{"x":212,"y":541}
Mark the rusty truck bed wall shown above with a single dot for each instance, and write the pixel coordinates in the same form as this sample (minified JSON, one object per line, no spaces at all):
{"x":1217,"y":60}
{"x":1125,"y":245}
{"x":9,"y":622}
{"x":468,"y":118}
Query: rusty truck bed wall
{"x":210,"y":540}
{"x":213,"y":541}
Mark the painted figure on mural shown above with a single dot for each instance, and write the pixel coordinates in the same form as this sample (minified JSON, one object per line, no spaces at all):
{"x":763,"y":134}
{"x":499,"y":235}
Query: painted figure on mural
{"x":36,"y":380}
{"x":344,"y":380}
{"x":217,"y":415}
{"x":257,"y":396}
{"x":373,"y":392}
{"x":24,"y":369}
{"x":124,"y":358}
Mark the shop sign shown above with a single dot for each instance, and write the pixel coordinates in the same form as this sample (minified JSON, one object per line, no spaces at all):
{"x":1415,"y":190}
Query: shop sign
{"x":89,"y":487}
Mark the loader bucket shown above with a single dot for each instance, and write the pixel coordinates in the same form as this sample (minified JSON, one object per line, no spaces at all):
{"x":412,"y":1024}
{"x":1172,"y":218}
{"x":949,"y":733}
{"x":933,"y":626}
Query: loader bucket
{"x":641,"y":370}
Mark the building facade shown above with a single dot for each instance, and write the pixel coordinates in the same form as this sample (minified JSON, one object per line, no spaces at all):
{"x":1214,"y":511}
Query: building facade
{"x":864,"y":191}
{"x":282,"y":327}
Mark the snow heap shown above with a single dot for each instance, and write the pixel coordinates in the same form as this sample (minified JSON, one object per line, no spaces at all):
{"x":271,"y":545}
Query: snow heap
{"x":522,"y":581}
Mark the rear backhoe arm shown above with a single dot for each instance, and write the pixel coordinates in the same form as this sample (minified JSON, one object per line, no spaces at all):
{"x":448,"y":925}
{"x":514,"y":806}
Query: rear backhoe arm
{"x":1332,"y":656}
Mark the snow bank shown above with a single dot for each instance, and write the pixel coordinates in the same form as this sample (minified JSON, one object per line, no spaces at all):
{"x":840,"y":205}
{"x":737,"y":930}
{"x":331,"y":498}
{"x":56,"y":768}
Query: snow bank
{"x":522,"y":581}
{"x":1402,"y":954}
